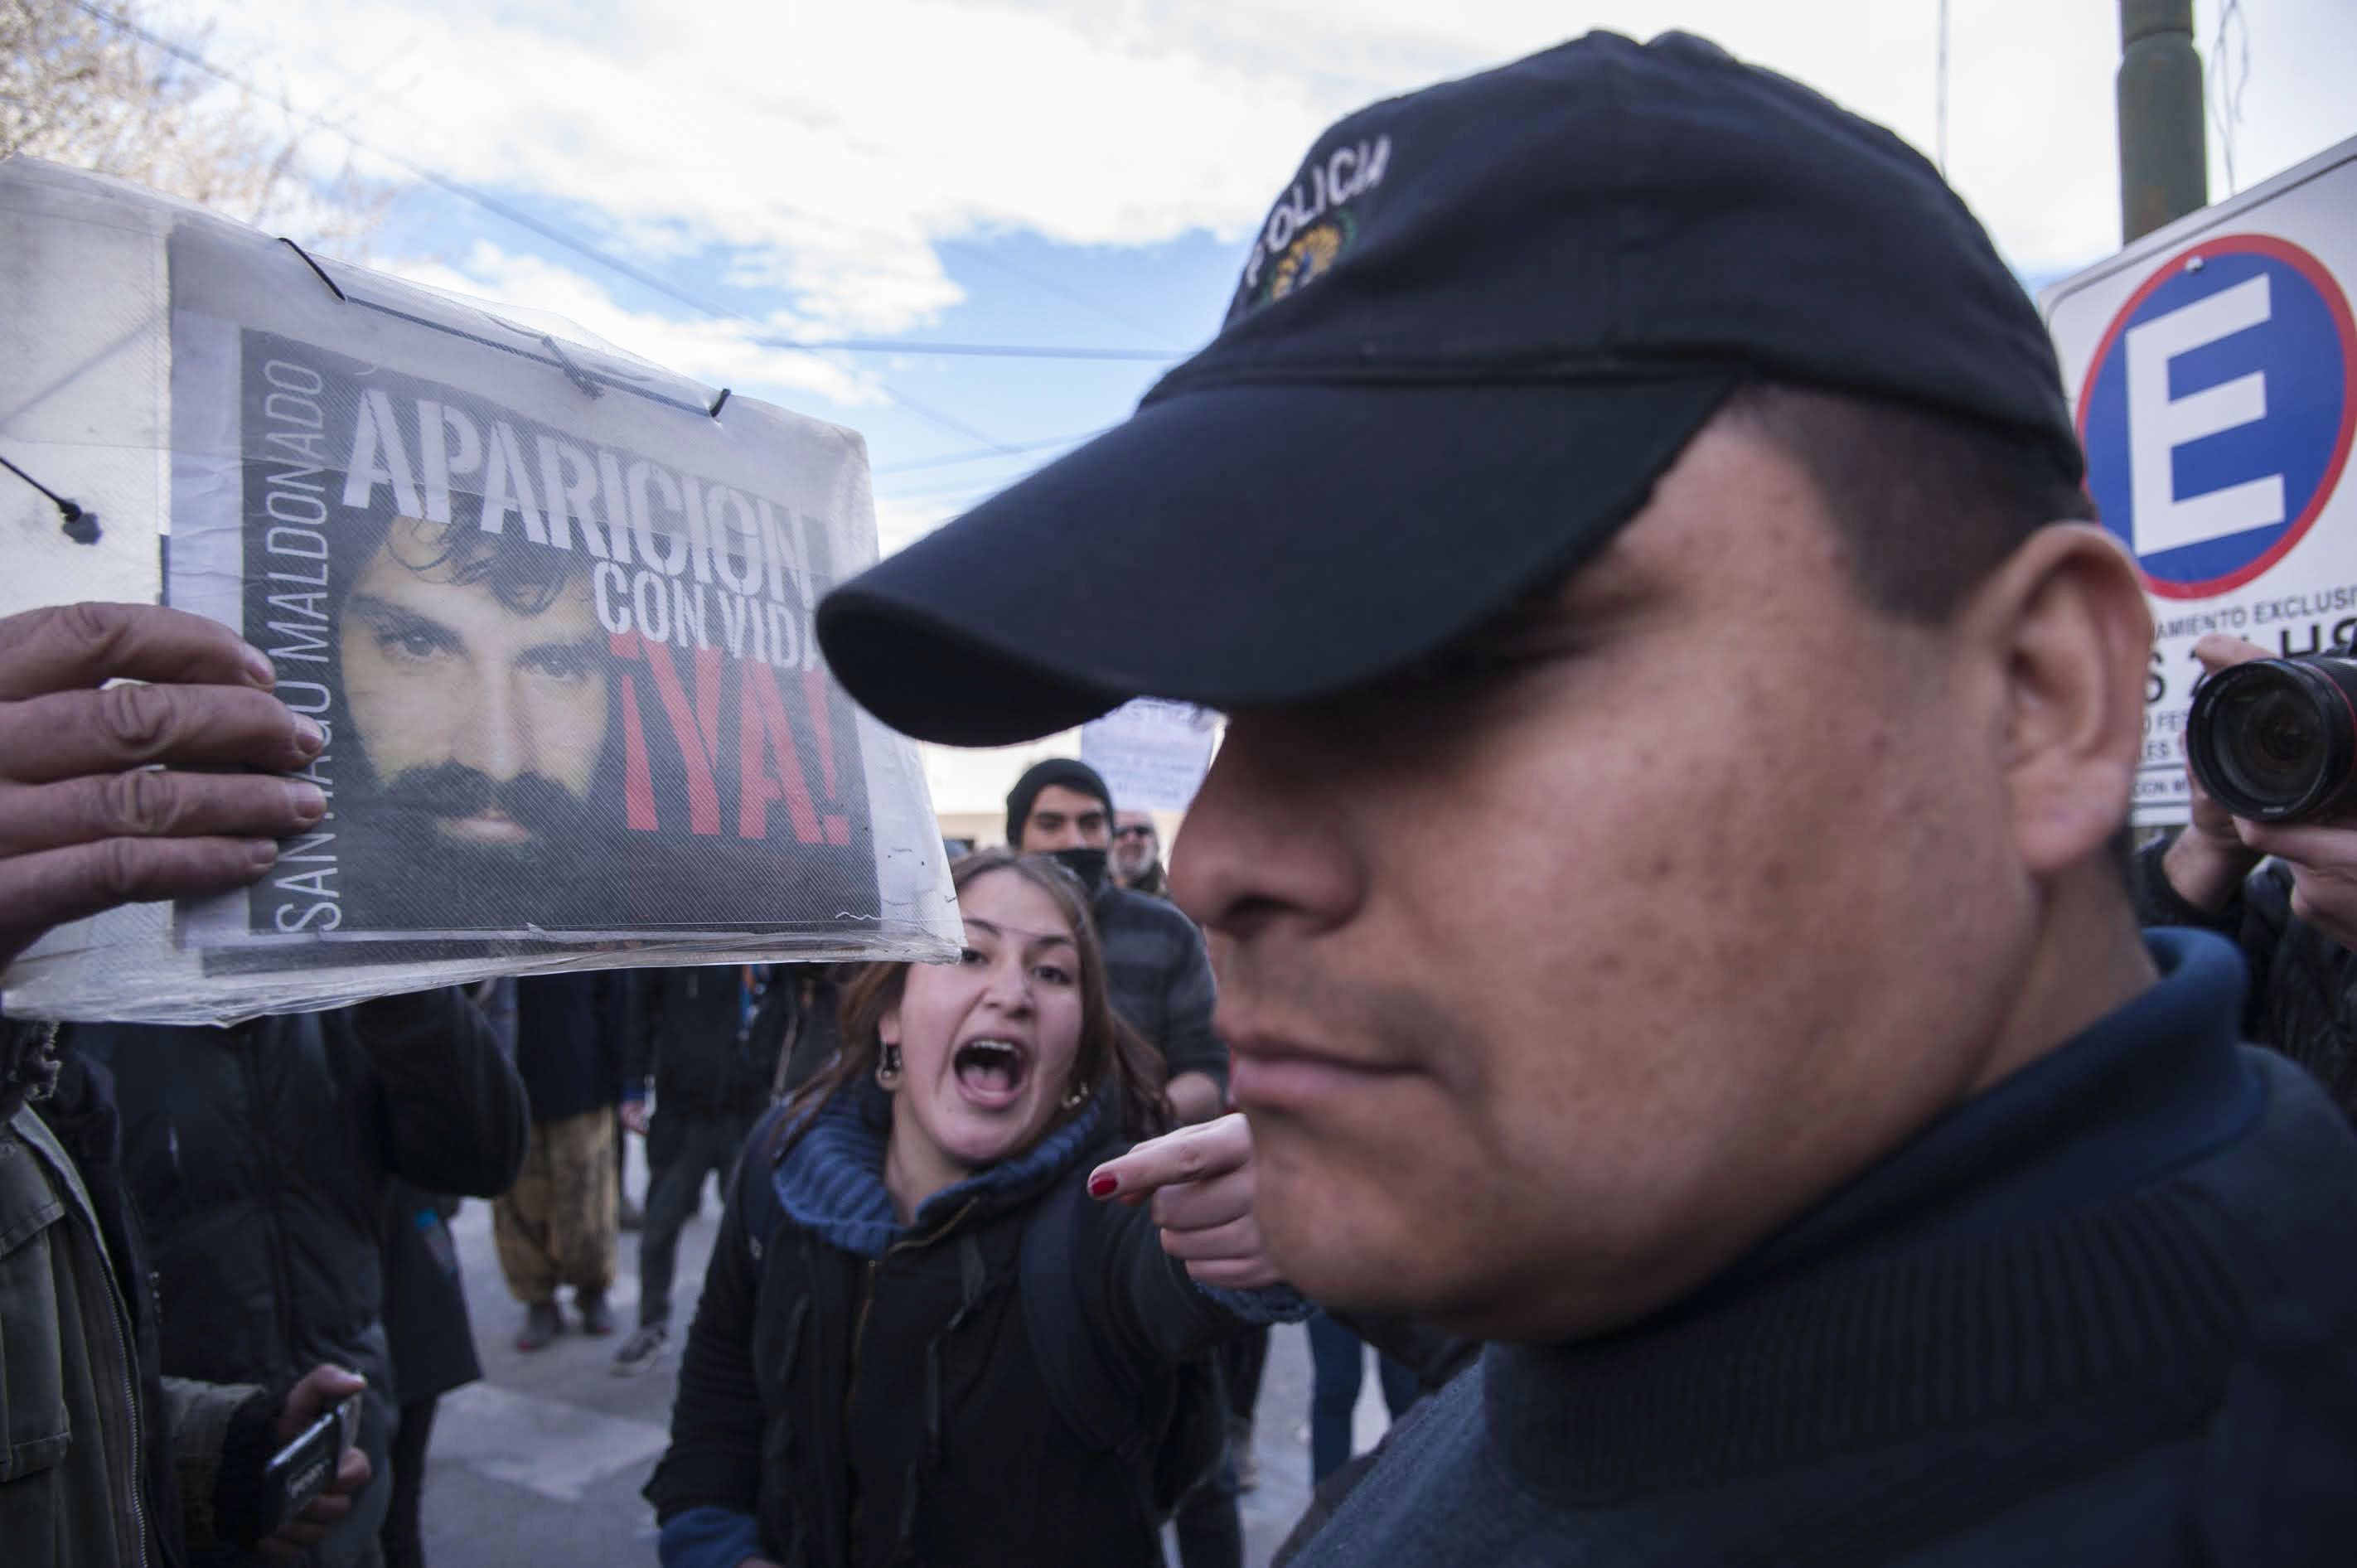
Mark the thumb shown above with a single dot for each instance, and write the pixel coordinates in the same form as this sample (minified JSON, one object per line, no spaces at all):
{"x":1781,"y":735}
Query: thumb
{"x":321,"y":1387}
{"x":2217,"y":651}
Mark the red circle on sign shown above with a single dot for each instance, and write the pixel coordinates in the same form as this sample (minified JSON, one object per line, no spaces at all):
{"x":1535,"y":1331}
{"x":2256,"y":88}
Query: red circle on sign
{"x":2319,"y":279}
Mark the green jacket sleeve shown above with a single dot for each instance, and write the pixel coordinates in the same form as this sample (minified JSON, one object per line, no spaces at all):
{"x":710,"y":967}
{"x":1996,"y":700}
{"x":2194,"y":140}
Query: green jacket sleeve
{"x":201,"y":1415}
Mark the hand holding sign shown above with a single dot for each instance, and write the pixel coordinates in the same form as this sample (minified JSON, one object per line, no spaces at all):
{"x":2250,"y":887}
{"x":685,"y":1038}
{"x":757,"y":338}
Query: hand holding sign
{"x":1200,"y":1181}
{"x":86,"y":822}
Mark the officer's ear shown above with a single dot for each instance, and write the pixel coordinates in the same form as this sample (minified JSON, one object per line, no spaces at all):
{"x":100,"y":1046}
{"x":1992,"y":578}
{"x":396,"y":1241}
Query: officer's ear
{"x":2065,"y":624}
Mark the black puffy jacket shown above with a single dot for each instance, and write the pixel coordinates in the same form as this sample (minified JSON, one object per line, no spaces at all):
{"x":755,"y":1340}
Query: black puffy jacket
{"x":694,"y":1037}
{"x":2303,"y":996}
{"x":258,"y":1158}
{"x":569,"y":1040}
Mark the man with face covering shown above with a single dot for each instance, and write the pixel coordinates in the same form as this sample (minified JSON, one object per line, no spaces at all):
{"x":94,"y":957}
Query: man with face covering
{"x":1155,"y":959}
{"x":1667,"y":851}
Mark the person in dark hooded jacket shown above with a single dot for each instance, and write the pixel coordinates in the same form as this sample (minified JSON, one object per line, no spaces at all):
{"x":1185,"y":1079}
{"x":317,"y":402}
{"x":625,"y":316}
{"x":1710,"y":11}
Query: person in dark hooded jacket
{"x":863,"y":1383}
{"x":260,"y":1159}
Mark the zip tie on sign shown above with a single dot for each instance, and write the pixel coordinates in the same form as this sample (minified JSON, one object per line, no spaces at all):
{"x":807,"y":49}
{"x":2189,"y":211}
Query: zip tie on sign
{"x":80,"y":526}
{"x":316,"y":268}
{"x":573,"y":373}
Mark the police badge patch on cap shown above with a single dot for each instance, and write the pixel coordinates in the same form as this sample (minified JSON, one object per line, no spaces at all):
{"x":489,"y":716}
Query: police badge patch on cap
{"x":1313,"y":224}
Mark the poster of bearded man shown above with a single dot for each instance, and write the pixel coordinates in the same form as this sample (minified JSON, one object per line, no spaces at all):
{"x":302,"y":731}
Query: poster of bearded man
{"x":549,"y":604}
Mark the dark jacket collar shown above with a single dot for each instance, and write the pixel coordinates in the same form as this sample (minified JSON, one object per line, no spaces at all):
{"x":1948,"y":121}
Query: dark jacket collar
{"x":2010,"y":1252}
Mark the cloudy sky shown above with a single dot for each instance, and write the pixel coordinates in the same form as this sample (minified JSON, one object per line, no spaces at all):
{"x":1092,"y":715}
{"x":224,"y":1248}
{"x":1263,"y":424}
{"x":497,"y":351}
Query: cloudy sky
{"x":1080,"y":174}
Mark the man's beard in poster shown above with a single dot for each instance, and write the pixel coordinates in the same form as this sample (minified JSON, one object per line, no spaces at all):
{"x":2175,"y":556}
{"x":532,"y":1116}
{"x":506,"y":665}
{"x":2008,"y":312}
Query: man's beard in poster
{"x":561,"y":873}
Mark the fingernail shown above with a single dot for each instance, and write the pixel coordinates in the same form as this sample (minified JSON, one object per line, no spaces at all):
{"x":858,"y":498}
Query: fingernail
{"x":308,"y":802}
{"x":1103,"y":1186}
{"x":258,"y":667}
{"x":262,"y":852}
{"x":308,"y":737}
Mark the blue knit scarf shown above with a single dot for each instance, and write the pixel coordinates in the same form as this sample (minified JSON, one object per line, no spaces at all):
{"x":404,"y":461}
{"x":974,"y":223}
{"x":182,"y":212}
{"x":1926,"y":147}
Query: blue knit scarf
{"x":832,"y":1182}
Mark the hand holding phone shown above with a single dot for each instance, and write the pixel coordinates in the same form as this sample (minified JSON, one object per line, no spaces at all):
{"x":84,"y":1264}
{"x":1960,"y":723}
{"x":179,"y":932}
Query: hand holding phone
{"x":308,"y":1484}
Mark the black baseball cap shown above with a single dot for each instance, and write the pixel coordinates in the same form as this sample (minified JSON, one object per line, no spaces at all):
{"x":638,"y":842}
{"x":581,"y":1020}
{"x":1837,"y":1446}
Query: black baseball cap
{"x":1474,"y":329}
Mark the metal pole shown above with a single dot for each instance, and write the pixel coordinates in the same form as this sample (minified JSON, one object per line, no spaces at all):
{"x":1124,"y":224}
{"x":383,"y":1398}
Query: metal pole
{"x":2164,"y":151}
{"x":1943,"y":89}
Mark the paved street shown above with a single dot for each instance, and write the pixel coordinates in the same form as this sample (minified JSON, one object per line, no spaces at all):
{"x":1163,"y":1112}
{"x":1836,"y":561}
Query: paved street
{"x":542,"y":1462}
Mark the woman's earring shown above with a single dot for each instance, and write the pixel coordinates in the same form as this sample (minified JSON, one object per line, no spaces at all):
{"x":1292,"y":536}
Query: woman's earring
{"x":1076,"y":1099}
{"x":887,"y":1072}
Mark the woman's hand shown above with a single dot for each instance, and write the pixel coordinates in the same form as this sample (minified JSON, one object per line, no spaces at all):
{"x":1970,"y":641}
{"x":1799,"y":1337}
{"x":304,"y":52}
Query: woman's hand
{"x":1200,"y":1181}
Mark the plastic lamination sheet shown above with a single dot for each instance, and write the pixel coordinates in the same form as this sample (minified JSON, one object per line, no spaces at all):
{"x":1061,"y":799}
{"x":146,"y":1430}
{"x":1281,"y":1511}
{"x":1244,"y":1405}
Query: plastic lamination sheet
{"x":553,"y":610}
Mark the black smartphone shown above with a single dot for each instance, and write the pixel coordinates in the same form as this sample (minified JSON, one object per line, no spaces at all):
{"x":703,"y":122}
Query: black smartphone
{"x":301,"y":1470}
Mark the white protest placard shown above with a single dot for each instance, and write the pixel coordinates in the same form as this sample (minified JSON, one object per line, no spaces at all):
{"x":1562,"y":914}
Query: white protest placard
{"x":551,"y":604}
{"x":1152,"y":754}
{"x":2213,"y":369}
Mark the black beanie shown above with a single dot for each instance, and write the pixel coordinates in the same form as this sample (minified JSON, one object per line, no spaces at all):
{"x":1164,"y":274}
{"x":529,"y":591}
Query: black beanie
{"x":1072,"y":774}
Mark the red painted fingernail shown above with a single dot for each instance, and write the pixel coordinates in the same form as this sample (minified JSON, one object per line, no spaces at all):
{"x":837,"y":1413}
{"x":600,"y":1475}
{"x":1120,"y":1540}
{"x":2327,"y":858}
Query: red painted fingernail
{"x":1103,"y":1186}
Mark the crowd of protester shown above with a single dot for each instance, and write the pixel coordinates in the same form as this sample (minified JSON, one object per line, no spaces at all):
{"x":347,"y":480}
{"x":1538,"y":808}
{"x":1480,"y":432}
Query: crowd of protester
{"x":1694,"y":1010}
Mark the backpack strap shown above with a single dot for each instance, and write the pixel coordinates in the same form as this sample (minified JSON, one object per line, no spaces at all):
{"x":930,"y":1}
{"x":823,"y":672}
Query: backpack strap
{"x":761,"y":1212}
{"x":1089,"y":1389}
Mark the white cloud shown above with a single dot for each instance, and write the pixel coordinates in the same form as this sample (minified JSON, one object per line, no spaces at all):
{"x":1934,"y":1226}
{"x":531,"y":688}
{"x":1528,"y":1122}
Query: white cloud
{"x":721,"y":351}
{"x":824,"y":150}
{"x":901,"y":520}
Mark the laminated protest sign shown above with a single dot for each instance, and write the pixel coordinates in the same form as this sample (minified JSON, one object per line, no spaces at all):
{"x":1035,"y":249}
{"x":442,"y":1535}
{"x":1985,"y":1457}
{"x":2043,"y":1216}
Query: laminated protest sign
{"x":551,"y":604}
{"x":1151,"y":752}
{"x":2213,"y":368}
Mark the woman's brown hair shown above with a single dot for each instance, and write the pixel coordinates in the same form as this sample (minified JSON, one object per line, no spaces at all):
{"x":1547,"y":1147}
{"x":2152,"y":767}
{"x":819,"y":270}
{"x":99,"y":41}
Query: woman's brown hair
{"x":1113,"y":1056}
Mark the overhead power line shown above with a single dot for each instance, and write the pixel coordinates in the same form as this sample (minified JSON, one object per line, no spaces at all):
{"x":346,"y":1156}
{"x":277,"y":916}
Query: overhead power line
{"x":979,"y":350}
{"x":645,"y":279}
{"x":981,"y":454}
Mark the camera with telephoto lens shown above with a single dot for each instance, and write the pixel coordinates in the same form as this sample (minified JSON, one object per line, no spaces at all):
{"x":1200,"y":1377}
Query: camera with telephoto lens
{"x":2276,"y":740}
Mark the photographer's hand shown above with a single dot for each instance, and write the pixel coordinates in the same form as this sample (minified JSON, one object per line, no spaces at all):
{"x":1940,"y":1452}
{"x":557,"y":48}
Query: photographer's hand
{"x":1199,"y":1179}
{"x":2208,"y":861}
{"x":320,"y":1387}
{"x":86,"y":822}
{"x":2322,"y":859}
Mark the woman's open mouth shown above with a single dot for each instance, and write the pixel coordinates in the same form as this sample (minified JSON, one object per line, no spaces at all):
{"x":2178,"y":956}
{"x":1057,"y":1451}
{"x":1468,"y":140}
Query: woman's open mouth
{"x":990,"y":1072}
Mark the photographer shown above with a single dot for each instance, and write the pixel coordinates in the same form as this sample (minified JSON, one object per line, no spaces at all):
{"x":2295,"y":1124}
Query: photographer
{"x":2287,"y":895}
{"x":104,"y":1459}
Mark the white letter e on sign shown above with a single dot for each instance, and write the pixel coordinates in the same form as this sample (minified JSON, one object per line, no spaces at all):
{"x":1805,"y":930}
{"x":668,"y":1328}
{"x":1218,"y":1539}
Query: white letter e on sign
{"x":2158,"y":424}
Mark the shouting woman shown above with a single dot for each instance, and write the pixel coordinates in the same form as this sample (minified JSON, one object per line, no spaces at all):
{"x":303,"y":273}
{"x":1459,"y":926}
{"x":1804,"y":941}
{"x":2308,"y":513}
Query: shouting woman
{"x":917,"y":1339}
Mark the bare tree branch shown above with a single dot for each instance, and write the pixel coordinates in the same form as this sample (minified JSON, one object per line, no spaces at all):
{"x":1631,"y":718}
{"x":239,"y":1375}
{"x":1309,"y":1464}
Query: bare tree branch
{"x":76,"y":89}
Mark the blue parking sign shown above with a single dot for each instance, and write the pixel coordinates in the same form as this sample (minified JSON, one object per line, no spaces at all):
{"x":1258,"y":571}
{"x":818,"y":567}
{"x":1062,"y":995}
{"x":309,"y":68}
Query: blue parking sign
{"x":2218,"y":411}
